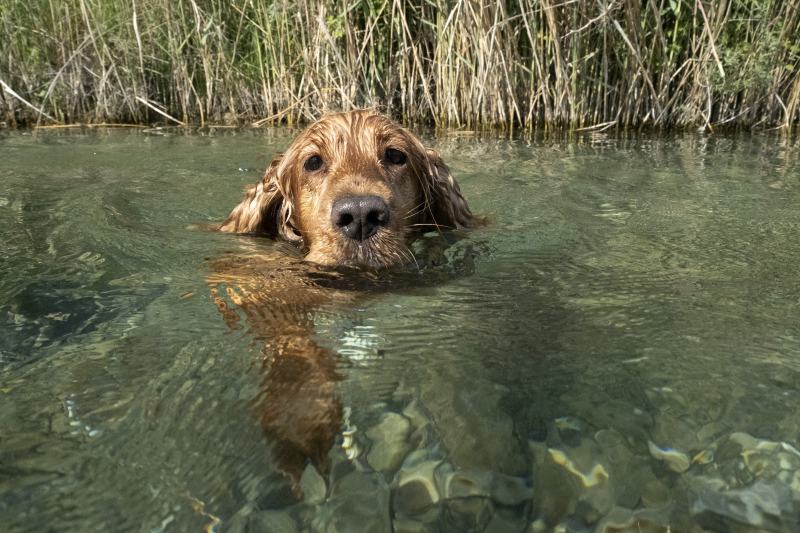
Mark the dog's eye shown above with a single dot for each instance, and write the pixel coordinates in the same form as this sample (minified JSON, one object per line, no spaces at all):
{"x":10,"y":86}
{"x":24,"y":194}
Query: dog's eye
{"x":395,"y":157}
{"x":313,"y":163}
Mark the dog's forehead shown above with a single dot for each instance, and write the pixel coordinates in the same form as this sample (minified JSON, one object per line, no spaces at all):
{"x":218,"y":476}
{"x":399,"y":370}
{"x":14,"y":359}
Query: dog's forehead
{"x":356,"y":129}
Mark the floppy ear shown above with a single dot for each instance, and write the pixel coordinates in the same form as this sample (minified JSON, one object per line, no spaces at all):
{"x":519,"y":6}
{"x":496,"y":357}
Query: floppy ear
{"x":446,"y":206}
{"x":265,"y":208}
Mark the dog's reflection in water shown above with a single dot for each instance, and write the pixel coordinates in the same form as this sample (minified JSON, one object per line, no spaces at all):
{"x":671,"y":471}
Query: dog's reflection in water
{"x":351,"y":191}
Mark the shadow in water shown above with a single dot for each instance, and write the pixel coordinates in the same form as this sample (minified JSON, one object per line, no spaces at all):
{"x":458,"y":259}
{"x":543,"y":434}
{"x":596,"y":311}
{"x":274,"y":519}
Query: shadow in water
{"x":277,"y":295}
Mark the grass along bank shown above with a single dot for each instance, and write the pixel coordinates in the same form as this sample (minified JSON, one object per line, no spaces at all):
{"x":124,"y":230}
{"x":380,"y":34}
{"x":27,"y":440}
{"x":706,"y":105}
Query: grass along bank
{"x":528,"y":64}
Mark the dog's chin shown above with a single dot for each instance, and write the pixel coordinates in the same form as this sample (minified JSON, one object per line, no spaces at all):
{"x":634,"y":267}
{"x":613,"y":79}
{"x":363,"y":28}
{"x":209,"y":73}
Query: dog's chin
{"x":379,"y":252}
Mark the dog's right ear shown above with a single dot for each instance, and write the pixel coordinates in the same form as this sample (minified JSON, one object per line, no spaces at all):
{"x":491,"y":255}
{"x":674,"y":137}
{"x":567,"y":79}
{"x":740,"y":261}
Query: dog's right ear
{"x":265,"y":209}
{"x":445,"y":206}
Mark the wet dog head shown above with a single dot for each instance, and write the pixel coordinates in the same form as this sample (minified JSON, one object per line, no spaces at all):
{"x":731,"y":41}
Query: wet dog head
{"x":350,"y":190}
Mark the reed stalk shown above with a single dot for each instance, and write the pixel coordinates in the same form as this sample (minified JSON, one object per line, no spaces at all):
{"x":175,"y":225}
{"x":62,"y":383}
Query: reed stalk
{"x":469,"y":64}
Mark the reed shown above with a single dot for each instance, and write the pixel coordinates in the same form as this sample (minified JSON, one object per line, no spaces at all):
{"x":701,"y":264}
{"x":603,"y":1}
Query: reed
{"x":470,"y":64}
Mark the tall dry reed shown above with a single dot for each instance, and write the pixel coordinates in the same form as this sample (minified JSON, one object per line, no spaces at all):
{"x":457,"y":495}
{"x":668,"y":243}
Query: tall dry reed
{"x":526,"y":64}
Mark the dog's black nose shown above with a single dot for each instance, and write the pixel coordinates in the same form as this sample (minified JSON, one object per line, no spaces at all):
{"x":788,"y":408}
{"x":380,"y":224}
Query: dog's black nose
{"x":359,"y":217}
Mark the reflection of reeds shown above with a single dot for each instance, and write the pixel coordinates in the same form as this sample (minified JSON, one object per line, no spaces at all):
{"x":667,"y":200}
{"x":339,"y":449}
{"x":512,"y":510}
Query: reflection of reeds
{"x":463,"y":63}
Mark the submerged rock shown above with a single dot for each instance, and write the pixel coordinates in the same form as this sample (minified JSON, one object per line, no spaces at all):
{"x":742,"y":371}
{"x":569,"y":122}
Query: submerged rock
{"x":271,"y":522}
{"x":472,"y":424}
{"x":312,"y":485}
{"x":677,"y":431}
{"x":675,"y":460}
{"x":569,"y":483}
{"x":580,"y":477}
{"x":764,"y":505}
{"x":629,"y":474}
{"x":359,"y":502}
{"x":389,"y":442}
{"x":410,"y":525}
{"x":587,"y":477}
{"x":416,"y":486}
{"x":606,"y":482}
{"x":655,"y":494}
{"x":621,"y":520}
{"x":466,"y":514}
{"x":466,"y":483}
{"x":510,"y":491}
{"x":431,"y":493}
{"x":628,"y":418}
{"x":504,"y":521}
{"x":746,"y":482}
{"x":423,"y":434}
{"x":505,"y":490}
{"x":247,"y":520}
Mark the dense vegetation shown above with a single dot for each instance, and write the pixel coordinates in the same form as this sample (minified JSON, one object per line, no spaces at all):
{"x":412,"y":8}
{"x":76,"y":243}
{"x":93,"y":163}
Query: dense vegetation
{"x":456,"y":63}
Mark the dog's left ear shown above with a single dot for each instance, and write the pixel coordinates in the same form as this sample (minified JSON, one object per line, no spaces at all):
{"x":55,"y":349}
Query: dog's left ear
{"x":446,"y":207}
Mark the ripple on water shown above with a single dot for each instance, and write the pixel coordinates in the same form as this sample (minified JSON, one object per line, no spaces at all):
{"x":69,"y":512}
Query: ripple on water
{"x":631,"y":306}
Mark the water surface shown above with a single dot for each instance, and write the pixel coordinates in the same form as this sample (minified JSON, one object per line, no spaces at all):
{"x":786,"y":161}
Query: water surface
{"x":630,"y":299}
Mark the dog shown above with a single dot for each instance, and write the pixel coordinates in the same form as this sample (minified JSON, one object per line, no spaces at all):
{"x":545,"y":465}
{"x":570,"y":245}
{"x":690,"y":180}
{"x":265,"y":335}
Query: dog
{"x":352,"y":190}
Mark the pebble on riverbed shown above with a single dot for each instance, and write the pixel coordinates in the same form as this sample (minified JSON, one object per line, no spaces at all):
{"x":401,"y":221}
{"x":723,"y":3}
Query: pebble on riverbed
{"x":416,"y":488}
{"x":471,"y":423}
{"x":752,"y":482}
{"x":389,"y":442}
{"x":583,"y":480}
{"x":359,"y":502}
{"x":505,"y":490}
{"x":675,"y":460}
{"x":312,"y":485}
{"x":585,"y":477}
{"x":429,"y":490}
{"x":621,"y":520}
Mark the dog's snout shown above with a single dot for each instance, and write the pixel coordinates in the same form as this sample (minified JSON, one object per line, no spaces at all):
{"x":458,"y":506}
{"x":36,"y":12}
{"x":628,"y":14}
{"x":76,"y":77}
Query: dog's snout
{"x":360,"y":217}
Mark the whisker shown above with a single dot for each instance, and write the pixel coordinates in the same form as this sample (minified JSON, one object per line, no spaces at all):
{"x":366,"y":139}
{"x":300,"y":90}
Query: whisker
{"x":433,"y":224}
{"x":416,"y":210}
{"x":408,"y":252}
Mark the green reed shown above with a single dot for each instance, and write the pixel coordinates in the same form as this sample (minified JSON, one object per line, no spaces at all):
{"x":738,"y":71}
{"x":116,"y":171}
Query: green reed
{"x":469,"y":64}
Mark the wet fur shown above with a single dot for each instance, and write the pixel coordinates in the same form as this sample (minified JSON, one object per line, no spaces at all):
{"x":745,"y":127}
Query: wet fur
{"x":292,"y":204}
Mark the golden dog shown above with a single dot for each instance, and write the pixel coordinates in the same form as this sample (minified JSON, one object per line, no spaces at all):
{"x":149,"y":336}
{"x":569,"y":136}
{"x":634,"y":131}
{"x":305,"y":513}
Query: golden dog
{"x":351,"y":190}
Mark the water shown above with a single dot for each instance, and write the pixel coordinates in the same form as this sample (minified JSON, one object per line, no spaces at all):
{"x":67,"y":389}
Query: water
{"x":628,"y":293}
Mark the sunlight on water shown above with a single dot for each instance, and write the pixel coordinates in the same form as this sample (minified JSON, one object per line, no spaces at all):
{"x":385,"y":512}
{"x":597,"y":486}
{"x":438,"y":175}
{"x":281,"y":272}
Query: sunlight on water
{"x":618,"y":348}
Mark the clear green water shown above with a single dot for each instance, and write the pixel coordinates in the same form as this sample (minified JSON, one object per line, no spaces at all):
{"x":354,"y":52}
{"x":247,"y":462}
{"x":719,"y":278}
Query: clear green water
{"x":645,"y":289}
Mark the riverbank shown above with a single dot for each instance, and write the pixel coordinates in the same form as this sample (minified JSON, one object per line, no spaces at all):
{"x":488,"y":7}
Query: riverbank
{"x":527,"y":65}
